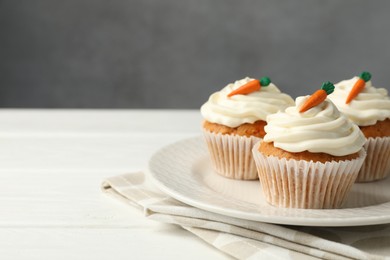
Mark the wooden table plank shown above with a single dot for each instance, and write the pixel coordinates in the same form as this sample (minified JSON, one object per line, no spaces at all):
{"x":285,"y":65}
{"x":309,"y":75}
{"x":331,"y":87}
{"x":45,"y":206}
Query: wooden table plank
{"x":81,"y":152}
{"x":161,"y":242}
{"x":52,"y":163}
{"x":79,"y":121}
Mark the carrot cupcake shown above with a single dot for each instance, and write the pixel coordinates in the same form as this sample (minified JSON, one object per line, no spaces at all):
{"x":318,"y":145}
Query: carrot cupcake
{"x":311,"y":154}
{"x":369,"y":108}
{"x":234,"y":120}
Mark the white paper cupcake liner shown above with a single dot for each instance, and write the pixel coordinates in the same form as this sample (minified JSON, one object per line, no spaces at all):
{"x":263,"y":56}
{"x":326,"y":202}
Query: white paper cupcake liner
{"x":306,"y":184}
{"x":231,"y":155}
{"x":377,"y":163}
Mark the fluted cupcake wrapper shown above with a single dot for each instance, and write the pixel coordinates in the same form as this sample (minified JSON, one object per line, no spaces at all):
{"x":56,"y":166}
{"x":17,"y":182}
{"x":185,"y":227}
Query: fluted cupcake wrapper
{"x":306,"y":184}
{"x":231,"y":155}
{"x":377,"y":163}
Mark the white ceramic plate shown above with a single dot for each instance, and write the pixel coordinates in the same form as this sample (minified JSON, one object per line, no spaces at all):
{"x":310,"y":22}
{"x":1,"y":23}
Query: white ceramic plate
{"x":183,"y":171}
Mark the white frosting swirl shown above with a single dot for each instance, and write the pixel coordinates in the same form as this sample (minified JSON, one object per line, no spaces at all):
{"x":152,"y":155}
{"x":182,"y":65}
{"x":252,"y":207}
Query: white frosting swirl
{"x":370,"y":106}
{"x":239,"y":109}
{"x":321,"y":129}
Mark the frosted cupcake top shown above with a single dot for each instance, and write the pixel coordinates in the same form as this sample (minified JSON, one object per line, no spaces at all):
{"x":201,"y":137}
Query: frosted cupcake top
{"x":238,"y":109}
{"x":369,"y":106}
{"x":320,"y":129}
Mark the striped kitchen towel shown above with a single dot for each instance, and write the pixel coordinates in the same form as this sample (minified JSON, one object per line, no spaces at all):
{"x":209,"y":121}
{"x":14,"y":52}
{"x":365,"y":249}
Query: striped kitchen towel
{"x":244,"y":239}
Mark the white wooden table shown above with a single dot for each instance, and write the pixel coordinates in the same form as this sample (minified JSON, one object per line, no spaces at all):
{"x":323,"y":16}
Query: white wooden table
{"x":52,"y":163}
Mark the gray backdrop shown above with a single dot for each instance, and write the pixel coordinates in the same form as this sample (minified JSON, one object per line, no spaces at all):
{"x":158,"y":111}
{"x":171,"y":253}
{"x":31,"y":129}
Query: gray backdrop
{"x":174,"y":53}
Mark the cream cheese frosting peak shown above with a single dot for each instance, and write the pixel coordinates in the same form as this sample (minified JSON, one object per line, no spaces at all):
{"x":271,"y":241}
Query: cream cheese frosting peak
{"x":321,"y":129}
{"x":240,"y":109}
{"x":371,"y":105}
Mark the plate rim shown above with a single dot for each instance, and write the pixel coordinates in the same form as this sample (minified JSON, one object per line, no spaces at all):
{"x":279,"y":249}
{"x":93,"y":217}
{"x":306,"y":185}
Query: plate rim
{"x":255,"y":216}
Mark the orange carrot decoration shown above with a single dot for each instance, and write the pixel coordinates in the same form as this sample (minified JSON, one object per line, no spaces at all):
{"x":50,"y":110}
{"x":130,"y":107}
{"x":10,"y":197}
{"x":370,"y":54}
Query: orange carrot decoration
{"x":251,"y":86}
{"x":359,"y":86}
{"x":317,"y":97}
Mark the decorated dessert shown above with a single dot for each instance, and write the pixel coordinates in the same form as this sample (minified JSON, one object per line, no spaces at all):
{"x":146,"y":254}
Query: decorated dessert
{"x":311,"y":154}
{"x":369,"y":108}
{"x":234,"y":120}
